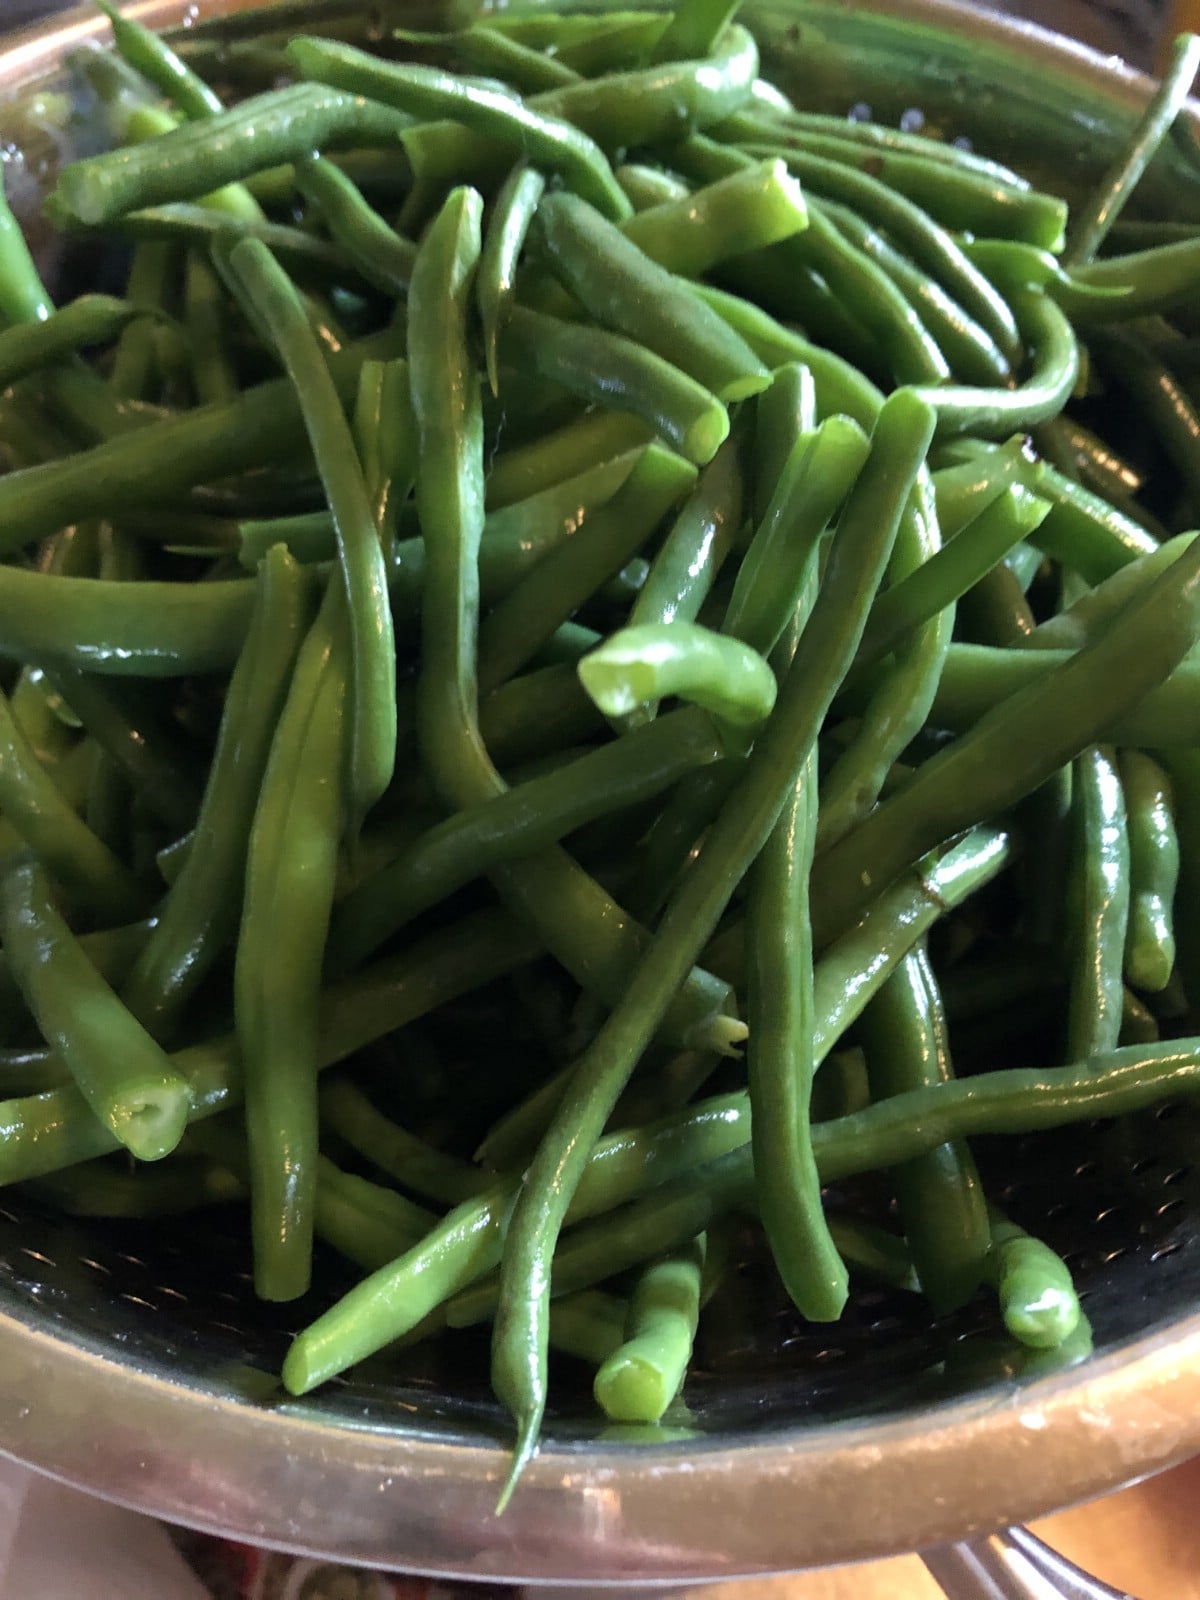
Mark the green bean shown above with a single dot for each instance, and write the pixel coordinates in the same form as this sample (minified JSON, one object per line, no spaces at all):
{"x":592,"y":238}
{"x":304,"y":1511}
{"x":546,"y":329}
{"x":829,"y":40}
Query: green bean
{"x":91,"y":319}
{"x":33,"y":805}
{"x":640,"y":1379}
{"x":864,"y":539}
{"x":214,"y":376}
{"x":499,"y":55}
{"x":1015,"y":747}
{"x":1042,"y":394}
{"x":590,"y":1325}
{"x":23,"y":296}
{"x":1153,"y":871}
{"x":193,"y":160}
{"x":559,"y":456}
{"x":938,"y":582}
{"x":130,"y":1084}
{"x":1084,"y":531}
{"x":882,"y":137}
{"x":1090,"y":228}
{"x":942,"y":1207}
{"x":581,"y":925}
{"x":607,"y":369}
{"x":971,"y":352}
{"x":503,"y":243}
{"x":784,"y":411}
{"x":1139,"y":284}
{"x":1037,"y":1298}
{"x":873,"y":1252}
{"x":291,"y":861}
{"x":930,"y":246}
{"x":960,"y":201}
{"x":781,"y":1054}
{"x":347,"y":1112}
{"x":647,"y":187}
{"x":623,"y":289}
{"x":383,"y":257}
{"x":572,"y":571}
{"x":148,"y":53}
{"x":515,"y":823}
{"x":694,"y":29}
{"x":694,"y":232}
{"x":256,"y":430}
{"x":591,"y":44}
{"x":1157,"y":392}
{"x":493,"y":113}
{"x":647,"y":663}
{"x":373,"y":692}
{"x":820,"y":471}
{"x":693,"y":551}
{"x":200,"y":913}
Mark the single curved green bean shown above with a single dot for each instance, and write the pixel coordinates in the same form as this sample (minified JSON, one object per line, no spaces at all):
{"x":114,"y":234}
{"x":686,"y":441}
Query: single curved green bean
{"x":1153,"y":871}
{"x":348,"y":1113}
{"x":364,"y":574}
{"x":1090,"y":227}
{"x":607,"y":369}
{"x":691,"y":555}
{"x":90,"y":319}
{"x":636,"y":665}
{"x":640,"y":1379}
{"x":781,"y":1056}
{"x":383,"y":256}
{"x":942,"y":1207}
{"x":129,"y":1082}
{"x":150,"y":54}
{"x":503,"y":242}
{"x":1015,"y":747}
{"x":647,"y":187}
{"x":489,"y":111}
{"x":1037,"y":1297}
{"x":1042,"y":394}
{"x":148,"y":629}
{"x":623,"y":289}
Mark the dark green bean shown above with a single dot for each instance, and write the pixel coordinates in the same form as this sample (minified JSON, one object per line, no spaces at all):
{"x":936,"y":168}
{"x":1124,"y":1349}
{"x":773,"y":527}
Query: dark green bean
{"x":383,"y":257}
{"x":347,"y":1112}
{"x":149,"y":53}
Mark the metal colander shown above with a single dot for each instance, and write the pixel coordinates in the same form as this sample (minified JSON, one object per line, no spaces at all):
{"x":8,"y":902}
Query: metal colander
{"x":135,"y":1361}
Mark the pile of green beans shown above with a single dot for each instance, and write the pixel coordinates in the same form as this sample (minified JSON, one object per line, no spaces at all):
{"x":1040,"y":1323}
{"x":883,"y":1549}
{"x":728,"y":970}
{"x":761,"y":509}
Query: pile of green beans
{"x":622,"y":618}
